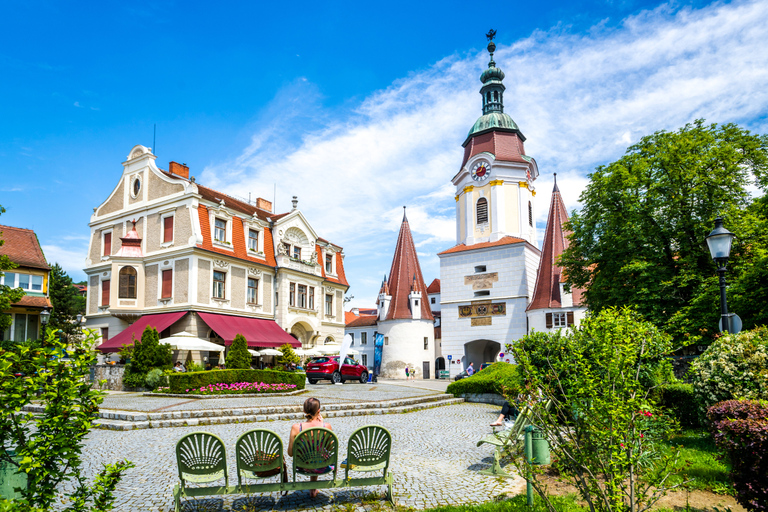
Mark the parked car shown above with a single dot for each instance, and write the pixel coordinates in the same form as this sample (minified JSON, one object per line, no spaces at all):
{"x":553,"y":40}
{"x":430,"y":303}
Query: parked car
{"x":484,"y":366}
{"x":462,"y":375}
{"x":327,"y":368}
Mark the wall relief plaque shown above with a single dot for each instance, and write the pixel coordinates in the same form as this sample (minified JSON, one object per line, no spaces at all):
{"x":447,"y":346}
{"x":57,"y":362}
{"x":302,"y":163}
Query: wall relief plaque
{"x":479,"y":309}
{"x":485,"y":320}
{"x":481,"y":281}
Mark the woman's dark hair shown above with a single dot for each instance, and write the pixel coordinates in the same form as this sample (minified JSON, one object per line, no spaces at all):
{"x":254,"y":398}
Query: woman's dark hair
{"x":311,"y":408}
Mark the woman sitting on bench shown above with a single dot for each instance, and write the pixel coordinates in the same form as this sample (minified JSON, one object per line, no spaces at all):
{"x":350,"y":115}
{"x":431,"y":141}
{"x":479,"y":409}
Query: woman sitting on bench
{"x":314,"y":419}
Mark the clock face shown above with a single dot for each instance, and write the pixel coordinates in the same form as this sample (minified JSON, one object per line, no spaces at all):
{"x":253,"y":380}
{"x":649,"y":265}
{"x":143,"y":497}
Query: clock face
{"x":481,"y":171}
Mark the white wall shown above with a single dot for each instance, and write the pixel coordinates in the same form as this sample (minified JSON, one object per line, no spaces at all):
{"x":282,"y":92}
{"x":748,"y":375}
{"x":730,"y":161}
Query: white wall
{"x":406,"y":347}
{"x":537,"y":319}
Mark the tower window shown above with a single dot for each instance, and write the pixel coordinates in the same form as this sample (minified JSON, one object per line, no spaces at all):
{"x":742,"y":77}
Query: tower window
{"x":127,"y":283}
{"x":480,"y":268}
{"x":483,"y":293}
{"x":496,"y":95}
{"x":530,"y":214}
{"x":482,"y":210}
{"x":488,"y":96}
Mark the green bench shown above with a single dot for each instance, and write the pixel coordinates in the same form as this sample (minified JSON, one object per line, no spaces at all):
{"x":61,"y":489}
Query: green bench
{"x":505,"y":438}
{"x":201,"y":459}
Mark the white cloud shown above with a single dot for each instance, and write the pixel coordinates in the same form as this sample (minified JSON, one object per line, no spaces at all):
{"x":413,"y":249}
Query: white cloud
{"x":580,"y":99}
{"x":70,"y":258}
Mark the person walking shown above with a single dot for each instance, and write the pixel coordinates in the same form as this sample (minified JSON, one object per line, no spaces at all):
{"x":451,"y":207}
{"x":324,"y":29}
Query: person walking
{"x":406,"y":373}
{"x":470,"y":369}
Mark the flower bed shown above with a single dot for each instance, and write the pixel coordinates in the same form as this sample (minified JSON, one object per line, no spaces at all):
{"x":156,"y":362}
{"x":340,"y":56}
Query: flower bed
{"x":241,"y":388}
{"x":181,"y":382}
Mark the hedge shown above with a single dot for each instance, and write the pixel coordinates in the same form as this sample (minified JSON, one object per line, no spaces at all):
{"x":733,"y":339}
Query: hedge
{"x":679,"y":400}
{"x":181,"y":382}
{"x":491,"y":380}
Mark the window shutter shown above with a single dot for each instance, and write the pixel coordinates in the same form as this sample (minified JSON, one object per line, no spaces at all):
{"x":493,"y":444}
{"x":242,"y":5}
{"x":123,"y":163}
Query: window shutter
{"x":570,"y":318}
{"x":549,"y":320}
{"x":167,"y":283}
{"x":105,"y":292}
{"x":107,"y":244}
{"x":482,"y":210}
{"x":168,"y":229}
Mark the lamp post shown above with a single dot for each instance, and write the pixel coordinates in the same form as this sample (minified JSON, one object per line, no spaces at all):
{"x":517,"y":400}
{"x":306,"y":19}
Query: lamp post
{"x":719,"y":242}
{"x":45,"y":315}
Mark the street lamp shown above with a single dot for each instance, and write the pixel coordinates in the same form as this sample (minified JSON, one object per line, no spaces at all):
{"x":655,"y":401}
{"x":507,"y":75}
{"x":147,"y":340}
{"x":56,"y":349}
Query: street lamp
{"x":45,"y":315}
{"x":719,"y":242}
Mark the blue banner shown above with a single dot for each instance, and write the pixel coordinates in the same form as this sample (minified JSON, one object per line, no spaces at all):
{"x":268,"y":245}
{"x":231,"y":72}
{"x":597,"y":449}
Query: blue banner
{"x":378,"y":346}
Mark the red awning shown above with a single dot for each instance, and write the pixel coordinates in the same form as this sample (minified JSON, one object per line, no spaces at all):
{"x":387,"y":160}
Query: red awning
{"x":160,"y":322}
{"x":258,"y":332}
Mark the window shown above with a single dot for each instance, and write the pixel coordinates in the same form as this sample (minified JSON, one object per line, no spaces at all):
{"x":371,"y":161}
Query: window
{"x":386,"y":340}
{"x":482,"y":210}
{"x":220,"y":230}
{"x":480,"y":268}
{"x":167,"y":291}
{"x":296,"y":252}
{"x":287,"y":248}
{"x":482,"y":293}
{"x":558,"y":320}
{"x":426,"y":343}
{"x":329,"y":263}
{"x":168,"y":229}
{"x":105,"y":292}
{"x":107,"y":244}
{"x":352,"y":335}
{"x":24,"y":281}
{"x":104,"y":334}
{"x":329,"y":304}
{"x":136,"y":187}
{"x":530,"y":214}
{"x":253,"y":240}
{"x":219,"y":284}
{"x":363,"y":338}
{"x":365,"y":359}
{"x":302,"y":296}
{"x":25,"y":327}
{"x":431,"y":300}
{"x":253,"y":290}
{"x":292,"y":294}
{"x":127,"y":283}
{"x":311,"y":297}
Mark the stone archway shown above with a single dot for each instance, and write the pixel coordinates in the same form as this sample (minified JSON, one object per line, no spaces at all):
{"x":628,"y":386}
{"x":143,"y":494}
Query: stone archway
{"x":302,"y":332}
{"x":439,"y":365}
{"x":479,"y":352}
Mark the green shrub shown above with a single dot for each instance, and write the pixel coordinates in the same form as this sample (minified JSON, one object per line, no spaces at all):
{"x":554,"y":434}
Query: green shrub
{"x":192,"y":366}
{"x":497,"y":378}
{"x":238,"y":357}
{"x":133,"y":380}
{"x":289,"y":356}
{"x":181,"y":382}
{"x":153,"y":378}
{"x":735,"y":366}
{"x":679,"y":401}
{"x":146,"y":354}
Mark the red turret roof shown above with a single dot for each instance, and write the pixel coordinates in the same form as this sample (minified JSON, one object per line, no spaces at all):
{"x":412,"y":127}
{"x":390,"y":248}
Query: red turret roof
{"x":547,"y":292}
{"x":404,"y":275}
{"x":131,"y":244}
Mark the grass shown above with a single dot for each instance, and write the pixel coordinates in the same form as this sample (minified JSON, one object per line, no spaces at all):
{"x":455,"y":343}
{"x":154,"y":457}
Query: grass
{"x":700,"y":460}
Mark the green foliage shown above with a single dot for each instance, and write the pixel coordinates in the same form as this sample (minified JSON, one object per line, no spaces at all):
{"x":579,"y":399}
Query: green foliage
{"x":154,"y":378}
{"x":741,"y":428}
{"x":679,"y":401}
{"x":516,"y":504}
{"x":645,"y":218}
{"x":735,"y":366}
{"x":67,"y":302}
{"x":192,"y":366}
{"x":499,"y":378}
{"x":146,"y":354}
{"x":181,"y":382}
{"x":289,"y":357}
{"x":238,"y":357}
{"x":8,"y":295}
{"x":700,"y":464}
{"x":50,"y":443}
{"x":609,"y":451}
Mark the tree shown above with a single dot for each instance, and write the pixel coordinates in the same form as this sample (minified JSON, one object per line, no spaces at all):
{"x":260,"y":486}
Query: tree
{"x":603,"y":427}
{"x":67,"y":302}
{"x":147,"y":354}
{"x":49,"y":444}
{"x":639,"y":239}
{"x":8,"y":295}
{"x":238,"y":357}
{"x":289,"y":357}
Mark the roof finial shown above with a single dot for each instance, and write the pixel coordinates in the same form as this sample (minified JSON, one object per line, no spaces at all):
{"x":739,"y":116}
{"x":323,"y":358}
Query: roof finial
{"x":556,"y":189}
{"x":404,"y":217}
{"x":491,"y":46}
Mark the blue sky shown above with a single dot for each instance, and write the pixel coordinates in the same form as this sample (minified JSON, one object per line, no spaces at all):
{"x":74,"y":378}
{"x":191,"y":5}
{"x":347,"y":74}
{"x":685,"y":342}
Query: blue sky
{"x":358,"y":109}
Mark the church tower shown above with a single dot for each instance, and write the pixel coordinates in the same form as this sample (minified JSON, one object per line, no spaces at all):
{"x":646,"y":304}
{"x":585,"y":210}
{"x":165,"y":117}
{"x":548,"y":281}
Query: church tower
{"x":494,"y":186}
{"x":488,"y":277}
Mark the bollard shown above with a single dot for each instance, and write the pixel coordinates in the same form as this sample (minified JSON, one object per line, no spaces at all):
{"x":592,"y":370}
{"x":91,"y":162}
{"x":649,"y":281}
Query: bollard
{"x":10,"y":478}
{"x":536,"y":453}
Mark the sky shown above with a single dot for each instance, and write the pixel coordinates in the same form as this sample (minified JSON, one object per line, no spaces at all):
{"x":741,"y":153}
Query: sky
{"x":358,"y":109}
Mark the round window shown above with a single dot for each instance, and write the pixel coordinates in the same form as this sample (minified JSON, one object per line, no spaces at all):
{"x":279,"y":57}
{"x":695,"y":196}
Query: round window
{"x":136,"y":187}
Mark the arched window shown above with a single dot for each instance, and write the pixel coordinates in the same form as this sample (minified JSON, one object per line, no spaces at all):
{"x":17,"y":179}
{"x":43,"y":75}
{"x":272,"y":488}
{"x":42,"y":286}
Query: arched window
{"x":482,"y":210}
{"x":496,"y":95}
{"x":127,"y":289}
{"x":530,"y":214}
{"x":488,"y":96}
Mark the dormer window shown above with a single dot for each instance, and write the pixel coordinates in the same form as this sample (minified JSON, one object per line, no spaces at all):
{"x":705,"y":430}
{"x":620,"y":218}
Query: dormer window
{"x":253,"y":240}
{"x":482,"y":211}
{"x":329,"y":263}
{"x":296,"y":252}
{"x":220,"y":230}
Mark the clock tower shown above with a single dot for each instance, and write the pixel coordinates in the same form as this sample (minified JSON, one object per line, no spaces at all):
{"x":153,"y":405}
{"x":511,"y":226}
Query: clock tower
{"x":494,"y":187}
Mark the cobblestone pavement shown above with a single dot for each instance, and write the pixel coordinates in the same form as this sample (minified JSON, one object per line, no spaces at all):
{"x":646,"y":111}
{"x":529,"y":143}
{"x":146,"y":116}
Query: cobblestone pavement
{"x":435,"y":461}
{"x":327,"y":393}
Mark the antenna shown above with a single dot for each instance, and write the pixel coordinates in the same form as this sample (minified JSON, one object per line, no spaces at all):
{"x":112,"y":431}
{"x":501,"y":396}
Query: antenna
{"x":154,"y":139}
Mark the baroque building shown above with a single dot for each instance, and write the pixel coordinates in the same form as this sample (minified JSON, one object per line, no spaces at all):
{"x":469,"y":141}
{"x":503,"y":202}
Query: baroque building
{"x":168,"y":252}
{"x":488,"y":277}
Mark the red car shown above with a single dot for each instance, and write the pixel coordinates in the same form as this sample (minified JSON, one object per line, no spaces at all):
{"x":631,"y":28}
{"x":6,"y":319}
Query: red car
{"x":327,"y":368}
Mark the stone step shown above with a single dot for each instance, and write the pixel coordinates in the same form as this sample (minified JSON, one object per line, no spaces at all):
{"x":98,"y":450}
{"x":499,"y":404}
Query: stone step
{"x":147,"y":422}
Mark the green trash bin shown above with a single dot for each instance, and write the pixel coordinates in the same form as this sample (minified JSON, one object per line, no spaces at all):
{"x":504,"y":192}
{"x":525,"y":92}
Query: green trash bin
{"x":539,"y":449}
{"x":10,"y":478}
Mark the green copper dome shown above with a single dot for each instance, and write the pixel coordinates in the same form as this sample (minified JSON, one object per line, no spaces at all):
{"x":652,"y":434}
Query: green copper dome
{"x":492,"y":73}
{"x":493,"y":120}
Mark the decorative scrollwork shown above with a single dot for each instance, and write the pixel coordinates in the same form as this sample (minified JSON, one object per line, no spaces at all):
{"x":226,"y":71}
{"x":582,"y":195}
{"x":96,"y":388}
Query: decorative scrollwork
{"x":221,"y":263}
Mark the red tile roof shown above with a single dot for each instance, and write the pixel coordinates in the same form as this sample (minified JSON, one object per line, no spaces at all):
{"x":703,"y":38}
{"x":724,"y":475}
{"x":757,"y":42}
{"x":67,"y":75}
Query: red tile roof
{"x":547,"y":291}
{"x":404,"y":275}
{"x":434,"y":286}
{"x":239,"y":249}
{"x":504,"y":146}
{"x":507,"y":240}
{"x":363,"y":321}
{"x":22,"y":247}
{"x":339,"y":262}
{"x":30,"y":301}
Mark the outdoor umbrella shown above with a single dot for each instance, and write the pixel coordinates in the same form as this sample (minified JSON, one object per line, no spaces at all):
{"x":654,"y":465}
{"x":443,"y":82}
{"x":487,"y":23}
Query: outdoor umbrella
{"x":254,"y":352}
{"x":186,"y":341}
{"x":270,"y":352}
{"x":331,"y":348}
{"x":310,"y":352}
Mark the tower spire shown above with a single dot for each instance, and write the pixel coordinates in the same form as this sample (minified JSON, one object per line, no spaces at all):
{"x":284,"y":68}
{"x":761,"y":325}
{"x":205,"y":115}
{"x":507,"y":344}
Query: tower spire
{"x":493,"y":88}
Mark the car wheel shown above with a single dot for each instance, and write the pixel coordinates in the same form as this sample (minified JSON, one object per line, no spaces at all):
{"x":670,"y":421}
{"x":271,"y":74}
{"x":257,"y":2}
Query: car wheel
{"x":312,"y":381}
{"x":336,"y":377}
{"x":364,"y":378}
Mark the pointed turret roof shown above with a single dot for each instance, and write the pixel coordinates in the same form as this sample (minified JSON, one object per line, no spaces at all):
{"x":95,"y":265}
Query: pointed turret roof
{"x":405,"y":275}
{"x":131,"y":246}
{"x":547,"y":292}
